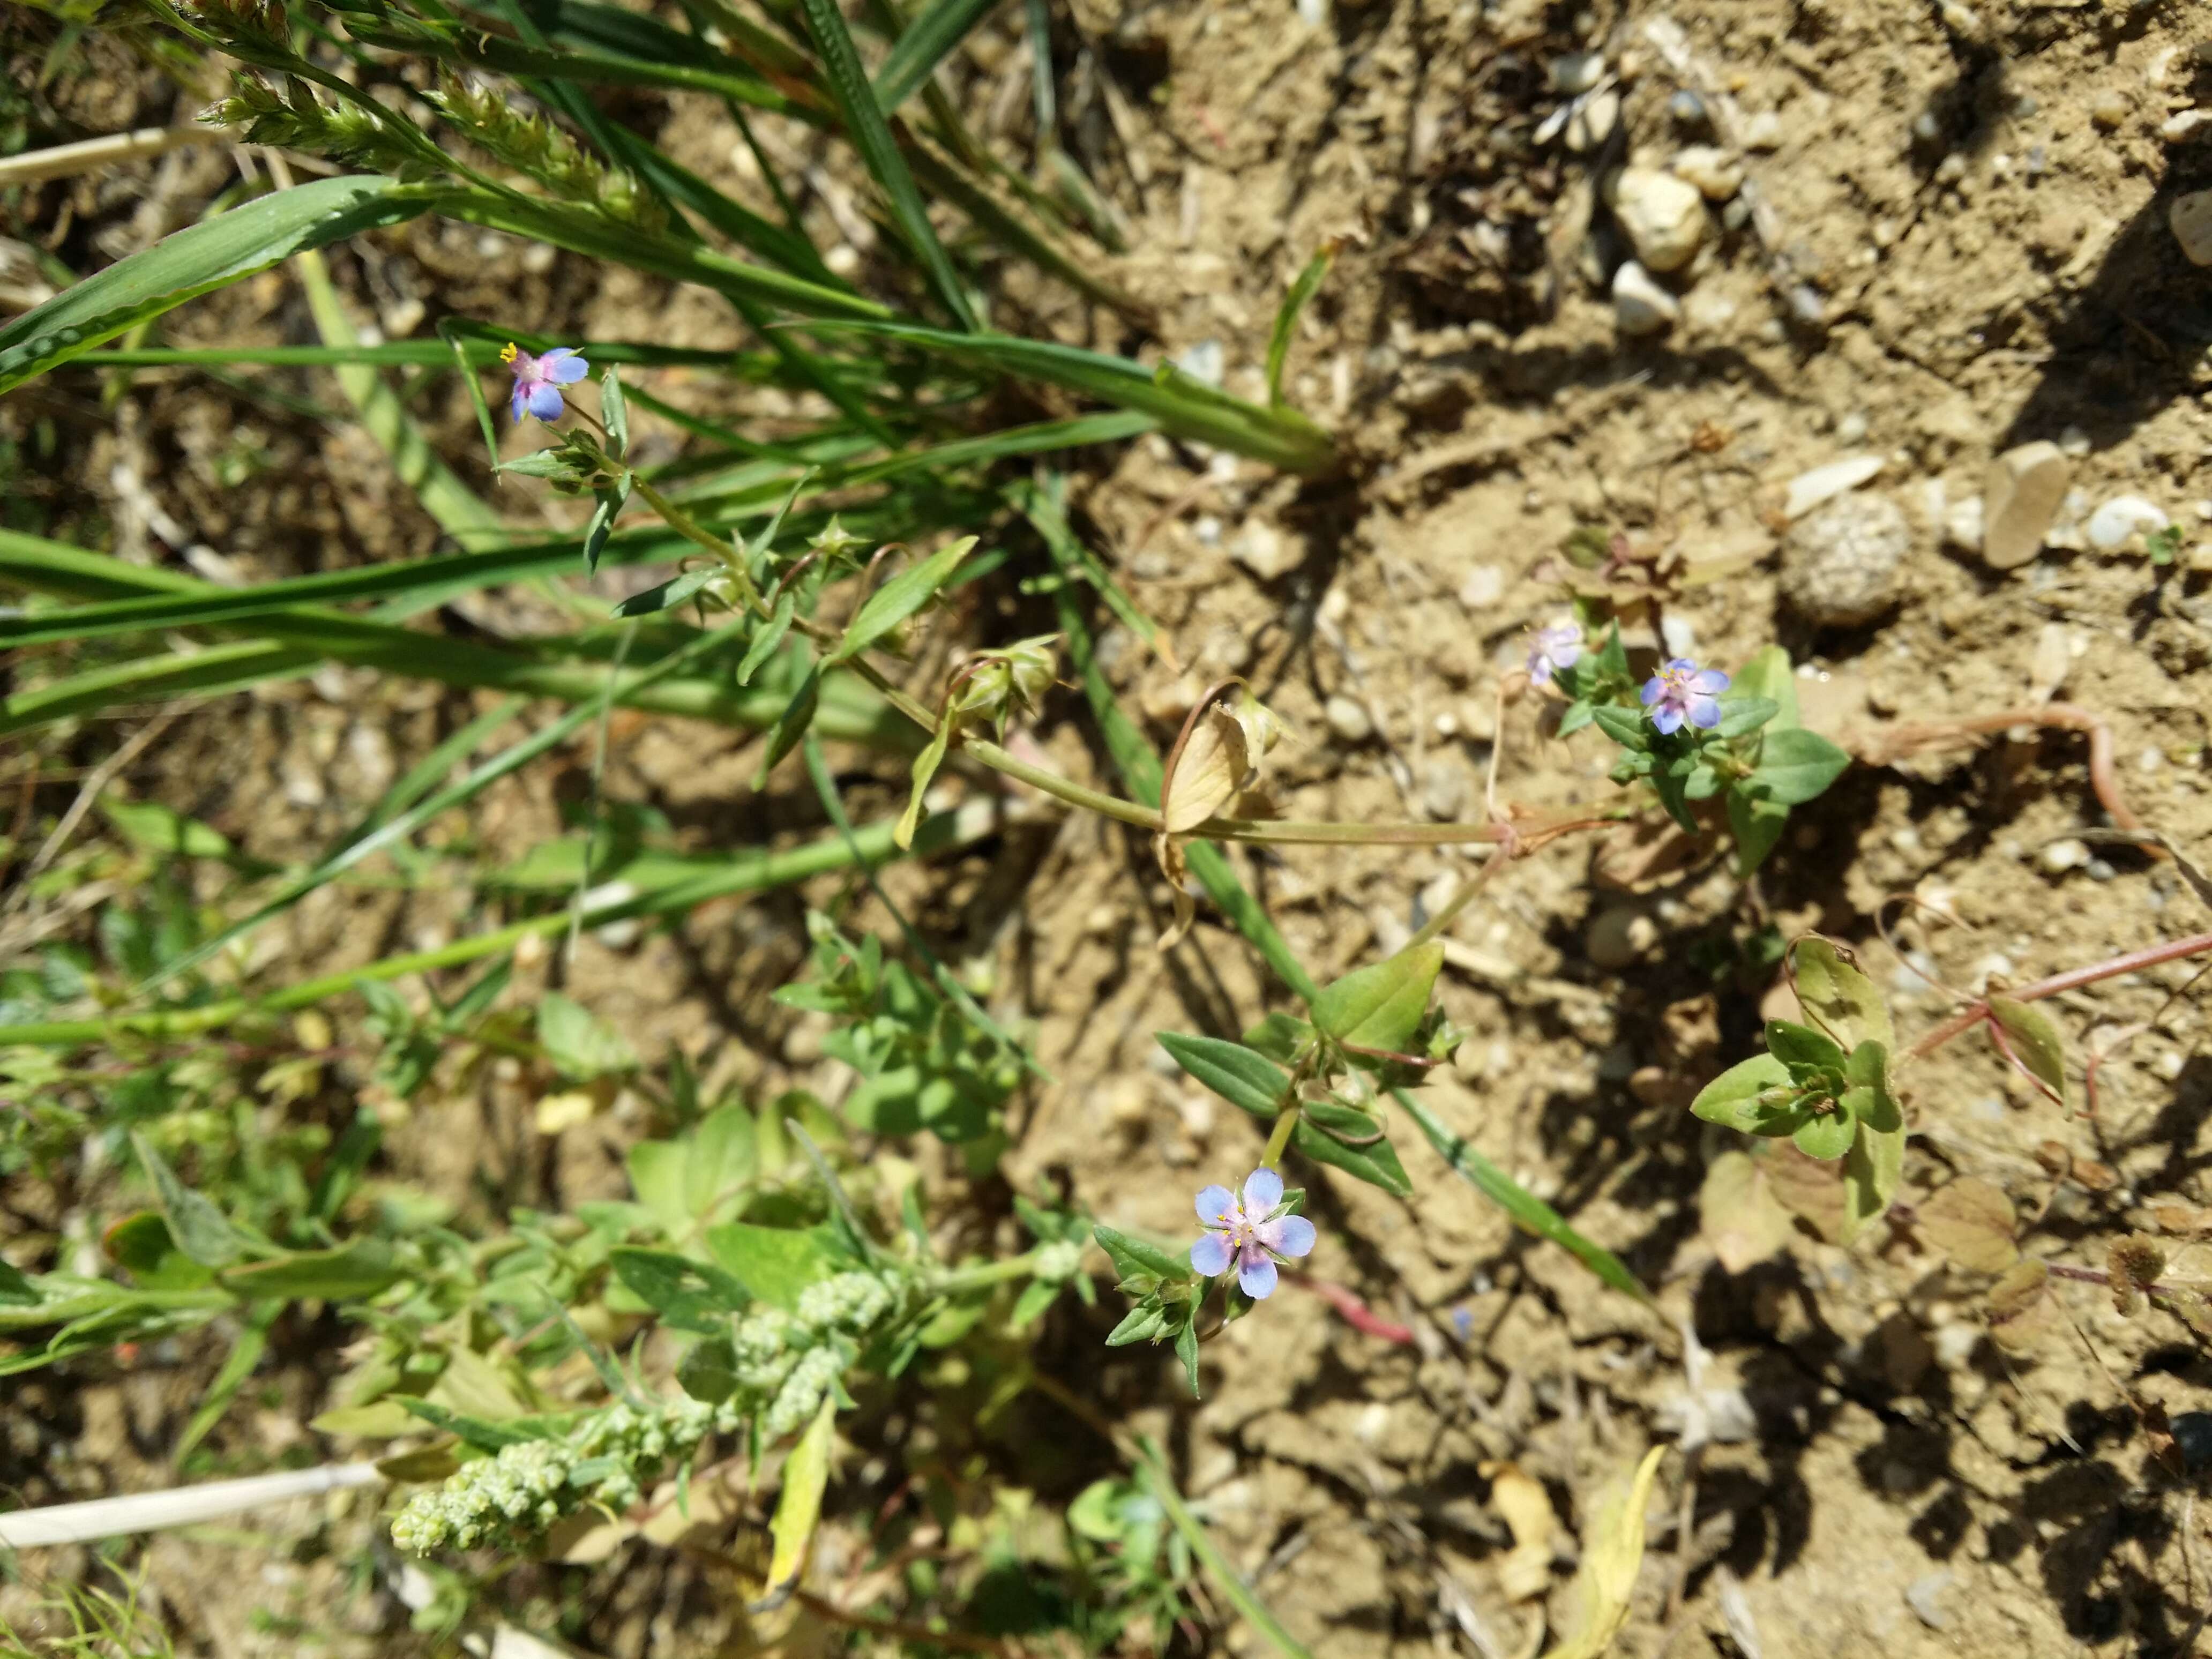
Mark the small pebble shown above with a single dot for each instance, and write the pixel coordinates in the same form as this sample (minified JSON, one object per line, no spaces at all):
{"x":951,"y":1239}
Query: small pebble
{"x":1678,"y":633}
{"x":1717,"y":174}
{"x":1593,"y":122}
{"x":2150,"y":760}
{"x":1640,"y":306}
{"x":1444,"y":790}
{"x":1618,"y":936}
{"x":2186,"y":124}
{"x":1348,"y":719}
{"x":1688,"y":110}
{"x":2060,"y":856}
{"x":2109,"y":108}
{"x":1840,"y":566}
{"x":2119,"y":521}
{"x":1662,"y":216}
{"x":1962,"y":524}
{"x":1763,"y":132}
{"x":2020,"y":495}
{"x":2098,"y":870}
{"x":1577,"y":72}
{"x":2191,"y":220}
{"x":1924,"y":1596}
{"x":1261,"y":551}
{"x":1203,"y":362}
{"x":1484,"y":586}
{"x":2170,"y":1065}
{"x":1809,"y":490}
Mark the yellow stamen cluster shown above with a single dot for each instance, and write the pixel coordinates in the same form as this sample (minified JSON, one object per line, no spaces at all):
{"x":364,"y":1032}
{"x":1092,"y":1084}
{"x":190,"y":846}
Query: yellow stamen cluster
{"x":506,"y":352}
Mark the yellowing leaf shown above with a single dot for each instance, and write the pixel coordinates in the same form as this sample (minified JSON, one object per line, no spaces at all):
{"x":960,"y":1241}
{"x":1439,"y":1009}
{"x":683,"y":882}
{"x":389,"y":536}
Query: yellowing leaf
{"x":1739,"y":1214}
{"x":1205,"y":772}
{"x":1613,"y":1553}
{"x":798,"y":1508}
{"x":1526,"y":1569}
{"x":1838,"y":998}
{"x":2033,"y":1041}
{"x":2021,"y":1311}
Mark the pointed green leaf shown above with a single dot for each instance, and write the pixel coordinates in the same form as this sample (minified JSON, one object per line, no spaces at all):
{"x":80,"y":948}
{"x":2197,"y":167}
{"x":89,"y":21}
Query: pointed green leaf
{"x":769,"y":634}
{"x":900,"y":598}
{"x":1796,"y":765}
{"x":1235,"y":1073}
{"x":358,"y":1269}
{"x":1343,"y":1137}
{"x":925,"y":768}
{"x":1871,"y":1173}
{"x":1742,"y":715}
{"x":1840,"y":998}
{"x":614,"y":414}
{"x":1626,"y":726}
{"x":1381,"y":1006}
{"x":775,"y":1263}
{"x":2035,"y":1041}
{"x":1801,"y":1045}
{"x":792,"y":723}
{"x":1134,"y":1258}
{"x":1731,"y":1099}
{"x":198,"y":1227}
{"x":1286,"y":317}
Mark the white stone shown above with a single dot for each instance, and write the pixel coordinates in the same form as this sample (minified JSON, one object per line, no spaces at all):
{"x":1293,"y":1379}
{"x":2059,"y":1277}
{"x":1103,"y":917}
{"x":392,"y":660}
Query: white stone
{"x":1664,"y":217}
{"x":1577,"y":72}
{"x":1824,"y":484}
{"x":2187,"y":124}
{"x":1678,"y":634}
{"x":1264,"y":552}
{"x":1593,"y":122}
{"x":1763,"y":132}
{"x":2020,"y":495}
{"x":1640,"y":306}
{"x":1962,"y":524}
{"x":1617,"y":937}
{"x":1348,"y":719}
{"x":2119,"y":521}
{"x":1484,"y":586}
{"x":1717,"y":174}
{"x":2191,"y":219}
{"x":2060,"y":856}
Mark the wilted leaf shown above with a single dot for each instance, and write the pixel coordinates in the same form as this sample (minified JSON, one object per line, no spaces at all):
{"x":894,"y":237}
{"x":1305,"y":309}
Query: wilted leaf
{"x":2183,"y":1220}
{"x":1205,"y":772}
{"x":2034,"y":1041}
{"x":1739,"y":1214}
{"x":1525,"y":1572}
{"x":1613,"y":1553}
{"x":1840,"y":997}
{"x":798,"y":1508}
{"x":1973,"y":1223}
{"x":2020,"y":1307}
{"x":1808,"y":1188}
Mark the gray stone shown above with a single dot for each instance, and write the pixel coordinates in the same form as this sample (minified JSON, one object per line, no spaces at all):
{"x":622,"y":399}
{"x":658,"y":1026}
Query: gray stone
{"x":1839,"y":564}
{"x":2191,"y":218}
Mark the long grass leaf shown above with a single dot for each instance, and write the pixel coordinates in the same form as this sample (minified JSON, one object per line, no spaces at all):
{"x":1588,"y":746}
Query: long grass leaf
{"x":927,"y":41}
{"x":1286,"y":317}
{"x":1183,"y":406}
{"x":196,"y":260}
{"x":871,"y":135}
{"x":1153,"y":1470}
{"x":1001,"y":225}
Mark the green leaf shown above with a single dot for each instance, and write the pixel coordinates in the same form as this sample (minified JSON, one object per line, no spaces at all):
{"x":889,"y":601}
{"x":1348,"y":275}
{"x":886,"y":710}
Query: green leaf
{"x":1380,"y":1006}
{"x":1870,"y":1097}
{"x":1134,"y":1259}
{"x":198,"y":1226}
{"x":611,"y":499}
{"x":1185,"y":1345}
{"x":1036,"y":1296}
{"x":1153,"y":1470}
{"x":776,"y":1263}
{"x":1826,"y":1135}
{"x":14,"y":1288}
{"x":196,"y":260}
{"x":483,"y":1434}
{"x":1626,"y":726}
{"x":1575,"y":716}
{"x":153,"y":828}
{"x":1320,"y":1124}
{"x":925,"y":768}
{"x":1757,"y":824}
{"x":1731,"y":1099}
{"x":710,"y":1372}
{"x":1801,"y":1045}
{"x":688,"y":1295}
{"x":1286,"y":316}
{"x":1142,"y":1323}
{"x":1766,"y":674}
{"x":237,"y":1366}
{"x":768,"y":635}
{"x":2034,"y":1041}
{"x":555,"y":463}
{"x":1235,"y":1073}
{"x":1741,"y":716}
{"x":666,"y":596}
{"x":614,"y":414}
{"x":143,"y":1245}
{"x":1838,"y":997}
{"x":899,"y":598}
{"x":359,"y":1268}
{"x":1794,"y":765}
{"x":1280,"y":1036}
{"x":580,"y":1044}
{"x":925,"y":44}
{"x":1871,"y":1174}
{"x":792,"y":724}
{"x":871,"y":135}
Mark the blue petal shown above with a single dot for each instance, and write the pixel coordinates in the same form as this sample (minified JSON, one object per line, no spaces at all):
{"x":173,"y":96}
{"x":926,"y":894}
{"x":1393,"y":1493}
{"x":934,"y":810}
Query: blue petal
{"x":546,"y":402}
{"x":1257,"y":1277}
{"x":1652,"y":692}
{"x":1291,"y":1235}
{"x":1210,"y":1256}
{"x":563,"y":367}
{"x":1214,"y":1204}
{"x":1263,"y":1190}
{"x":1704,"y":713}
{"x":1667,"y":717}
{"x":519,"y":401}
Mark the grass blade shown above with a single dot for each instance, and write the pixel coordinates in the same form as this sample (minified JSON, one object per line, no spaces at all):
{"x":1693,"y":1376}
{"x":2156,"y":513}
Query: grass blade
{"x":197,"y":260}
{"x":871,"y":134}
{"x":1286,"y":318}
{"x":927,"y":41}
{"x":1185,"y":407}
{"x":1152,"y":1468}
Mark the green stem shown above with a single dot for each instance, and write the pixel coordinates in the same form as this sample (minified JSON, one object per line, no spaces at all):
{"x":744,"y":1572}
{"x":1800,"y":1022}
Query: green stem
{"x":1279,"y":1140}
{"x":988,"y":1273}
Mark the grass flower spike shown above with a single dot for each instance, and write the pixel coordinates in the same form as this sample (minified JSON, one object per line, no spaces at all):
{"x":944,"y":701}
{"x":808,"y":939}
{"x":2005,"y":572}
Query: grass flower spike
{"x":539,"y":380}
{"x":1250,"y":1232}
{"x":1559,"y":646}
{"x":1682,"y":691}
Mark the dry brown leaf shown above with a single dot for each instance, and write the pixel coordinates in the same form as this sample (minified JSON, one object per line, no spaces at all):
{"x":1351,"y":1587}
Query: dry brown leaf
{"x":1739,"y":1214}
{"x":1210,"y":768}
{"x":1526,"y":1570}
{"x":2021,"y":1311}
{"x":1613,"y":1553}
{"x":2182,"y":1220}
{"x":1809,"y":1189}
{"x":1973,"y":1223}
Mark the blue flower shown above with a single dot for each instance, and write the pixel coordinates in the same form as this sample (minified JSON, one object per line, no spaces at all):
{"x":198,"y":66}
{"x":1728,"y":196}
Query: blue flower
{"x":539,"y":380}
{"x":1553,"y":648}
{"x":1682,"y":691}
{"x":1249,"y":1233}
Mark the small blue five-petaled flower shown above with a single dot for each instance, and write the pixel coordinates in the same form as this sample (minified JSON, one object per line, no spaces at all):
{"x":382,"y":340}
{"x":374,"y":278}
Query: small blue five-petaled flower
{"x":1250,"y":1232}
{"x":1682,"y":691}
{"x":1559,"y":646}
{"x":539,"y":380}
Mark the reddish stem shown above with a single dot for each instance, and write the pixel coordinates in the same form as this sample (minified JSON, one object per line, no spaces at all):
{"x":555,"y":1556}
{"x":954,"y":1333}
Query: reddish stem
{"x":2072,"y":980}
{"x":1891,"y":741}
{"x":1356,"y":1313}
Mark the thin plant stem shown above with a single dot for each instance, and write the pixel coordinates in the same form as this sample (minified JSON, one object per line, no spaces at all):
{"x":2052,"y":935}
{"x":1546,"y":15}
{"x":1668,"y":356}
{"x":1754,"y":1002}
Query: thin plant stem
{"x":2072,"y":980}
{"x":1278,"y":1139}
